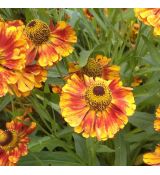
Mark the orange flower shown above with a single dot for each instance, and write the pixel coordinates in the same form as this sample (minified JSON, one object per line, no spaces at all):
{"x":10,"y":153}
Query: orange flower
{"x":152,"y":158}
{"x":50,"y":43}
{"x":97,"y":67}
{"x":149,"y":16}
{"x":14,"y":140}
{"x":157,"y":121}
{"x":87,"y":14}
{"x":136,"y":82}
{"x":29,"y":78}
{"x":12,"y":54}
{"x":96,"y":107}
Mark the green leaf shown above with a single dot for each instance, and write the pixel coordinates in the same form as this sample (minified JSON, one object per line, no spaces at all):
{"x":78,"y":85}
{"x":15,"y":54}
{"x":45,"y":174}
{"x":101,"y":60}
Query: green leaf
{"x":43,"y":15}
{"x":143,"y":121}
{"x":84,"y":55}
{"x":91,"y":145}
{"x":120,"y":150}
{"x":152,"y":50}
{"x":37,"y":144}
{"x":104,"y":149}
{"x":80,"y":147}
{"x":30,"y":14}
{"x":5,"y":101}
{"x":49,"y":158}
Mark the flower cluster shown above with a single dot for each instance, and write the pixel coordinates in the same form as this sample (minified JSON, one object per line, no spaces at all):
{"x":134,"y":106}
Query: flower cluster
{"x":94,"y":100}
{"x":28,"y":50}
{"x":26,"y":53}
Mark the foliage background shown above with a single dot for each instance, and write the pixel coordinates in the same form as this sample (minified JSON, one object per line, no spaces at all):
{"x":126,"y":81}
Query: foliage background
{"x":55,"y":143}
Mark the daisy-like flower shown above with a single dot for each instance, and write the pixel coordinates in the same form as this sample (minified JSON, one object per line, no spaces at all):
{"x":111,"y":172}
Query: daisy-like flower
{"x":157,"y":121}
{"x":50,"y":43}
{"x":152,"y":158}
{"x":12,"y":54}
{"x":100,"y":67}
{"x":97,"y":67}
{"x":14,"y":140}
{"x":96,"y":107}
{"x":149,"y":16}
{"x":29,"y":78}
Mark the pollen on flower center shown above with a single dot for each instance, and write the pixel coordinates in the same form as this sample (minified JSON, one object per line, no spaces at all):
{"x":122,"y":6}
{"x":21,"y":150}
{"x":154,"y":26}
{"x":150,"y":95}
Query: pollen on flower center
{"x":93,"y":68}
{"x":38,"y":32}
{"x":98,"y":96}
{"x":8,"y":140}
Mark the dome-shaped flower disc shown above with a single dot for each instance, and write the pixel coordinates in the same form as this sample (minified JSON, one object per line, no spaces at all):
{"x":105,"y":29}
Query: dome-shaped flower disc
{"x":96,"y":107}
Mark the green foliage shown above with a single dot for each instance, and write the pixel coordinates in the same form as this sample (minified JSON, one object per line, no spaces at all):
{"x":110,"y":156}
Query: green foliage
{"x":55,"y":143}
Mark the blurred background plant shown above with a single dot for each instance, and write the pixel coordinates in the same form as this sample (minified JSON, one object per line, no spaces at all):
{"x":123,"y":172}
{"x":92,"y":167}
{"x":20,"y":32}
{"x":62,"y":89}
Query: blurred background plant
{"x":117,"y":34}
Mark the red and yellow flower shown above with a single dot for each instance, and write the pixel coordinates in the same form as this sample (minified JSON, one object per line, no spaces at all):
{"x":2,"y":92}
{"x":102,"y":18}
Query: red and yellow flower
{"x":157,"y":121}
{"x":50,"y":43}
{"x":14,"y":140}
{"x":100,"y":67}
{"x":97,"y":67}
{"x":29,"y":78}
{"x":152,"y":158}
{"x":96,"y":107}
{"x":12,"y":54}
{"x":149,"y":16}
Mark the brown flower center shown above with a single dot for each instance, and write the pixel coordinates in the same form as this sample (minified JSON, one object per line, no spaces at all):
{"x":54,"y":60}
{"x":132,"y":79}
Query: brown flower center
{"x":8,"y":139}
{"x":5,"y":137}
{"x":93,"y":68}
{"x":98,"y":90}
{"x":37,"y":31}
{"x":98,"y":96}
